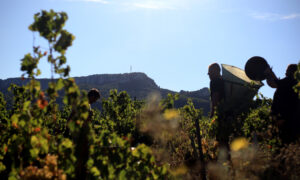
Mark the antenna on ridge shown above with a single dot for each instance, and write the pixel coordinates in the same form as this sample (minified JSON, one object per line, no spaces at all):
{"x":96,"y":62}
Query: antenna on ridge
{"x":130,"y":69}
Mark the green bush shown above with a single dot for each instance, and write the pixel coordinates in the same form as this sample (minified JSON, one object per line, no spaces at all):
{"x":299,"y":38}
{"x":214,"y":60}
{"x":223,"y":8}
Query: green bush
{"x":41,"y":141}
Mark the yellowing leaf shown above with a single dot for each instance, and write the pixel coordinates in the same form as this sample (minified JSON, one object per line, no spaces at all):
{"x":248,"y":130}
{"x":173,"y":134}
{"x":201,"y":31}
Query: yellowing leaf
{"x":71,"y":90}
{"x":67,"y":143}
{"x":171,"y":114}
{"x":95,"y":171}
{"x":2,"y":167}
{"x":239,"y":143}
{"x":59,"y":84}
{"x":34,"y":141}
{"x":84,"y":115}
{"x":26,"y":105}
{"x":44,"y":145}
{"x":34,"y":152}
{"x":22,"y":123}
{"x":180,"y":171}
{"x":15,"y":118}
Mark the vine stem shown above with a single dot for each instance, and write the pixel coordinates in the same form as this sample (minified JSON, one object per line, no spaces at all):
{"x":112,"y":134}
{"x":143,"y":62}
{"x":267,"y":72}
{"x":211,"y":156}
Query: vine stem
{"x":203,"y":168}
{"x":52,"y":72}
{"x":33,"y":42}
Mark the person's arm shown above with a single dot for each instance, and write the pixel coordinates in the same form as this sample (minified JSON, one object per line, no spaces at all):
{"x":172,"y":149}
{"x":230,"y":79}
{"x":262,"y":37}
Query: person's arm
{"x":271,"y":78}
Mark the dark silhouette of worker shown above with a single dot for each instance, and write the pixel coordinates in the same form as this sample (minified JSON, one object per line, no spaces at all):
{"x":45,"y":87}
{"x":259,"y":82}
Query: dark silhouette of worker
{"x":285,"y":103}
{"x":217,"y":92}
{"x":82,"y":147}
{"x":93,"y":96}
{"x":217,"y":95}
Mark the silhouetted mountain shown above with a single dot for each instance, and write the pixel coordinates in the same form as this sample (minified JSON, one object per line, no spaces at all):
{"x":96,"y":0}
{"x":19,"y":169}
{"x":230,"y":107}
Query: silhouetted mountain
{"x":137,"y":85}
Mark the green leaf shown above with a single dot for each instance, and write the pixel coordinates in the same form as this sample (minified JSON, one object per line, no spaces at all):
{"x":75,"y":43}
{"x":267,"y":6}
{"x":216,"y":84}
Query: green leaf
{"x":13,"y":175}
{"x":62,"y":60}
{"x":15,"y":118}
{"x":71,"y":90}
{"x":67,"y":71}
{"x":64,"y":41}
{"x":95,"y":171}
{"x":44,"y":145}
{"x":122,"y":175}
{"x":85,"y":115}
{"x":38,"y":72}
{"x":59,"y":84}
{"x":2,"y":167}
{"x":65,"y":100}
{"x":22,"y":123}
{"x":34,"y":152}
{"x":67,"y":143}
{"x":34,"y":141}
{"x":26,"y":105}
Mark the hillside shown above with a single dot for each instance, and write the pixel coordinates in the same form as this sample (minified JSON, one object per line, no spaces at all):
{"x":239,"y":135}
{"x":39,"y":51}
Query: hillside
{"x":138,"y":86}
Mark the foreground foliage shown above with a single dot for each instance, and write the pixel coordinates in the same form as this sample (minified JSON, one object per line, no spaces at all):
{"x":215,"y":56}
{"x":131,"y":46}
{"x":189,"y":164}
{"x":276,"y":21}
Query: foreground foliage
{"x":41,"y":141}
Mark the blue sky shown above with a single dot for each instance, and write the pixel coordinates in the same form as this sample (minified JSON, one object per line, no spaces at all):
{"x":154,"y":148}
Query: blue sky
{"x":172,"y":41}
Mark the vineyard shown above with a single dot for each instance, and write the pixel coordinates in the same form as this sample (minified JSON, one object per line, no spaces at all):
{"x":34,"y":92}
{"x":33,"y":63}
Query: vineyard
{"x":127,"y":139}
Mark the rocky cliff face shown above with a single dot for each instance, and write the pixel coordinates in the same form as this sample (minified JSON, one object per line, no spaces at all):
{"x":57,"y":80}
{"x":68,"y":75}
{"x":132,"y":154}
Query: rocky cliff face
{"x":100,"y":79}
{"x":204,"y":93}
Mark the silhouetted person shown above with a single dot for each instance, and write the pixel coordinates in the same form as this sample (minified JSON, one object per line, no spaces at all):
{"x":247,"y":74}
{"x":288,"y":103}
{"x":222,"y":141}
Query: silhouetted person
{"x":217,"y":92}
{"x":285,"y":103}
{"x":82,"y":147}
{"x":93,"y":96}
{"x":217,"y":95}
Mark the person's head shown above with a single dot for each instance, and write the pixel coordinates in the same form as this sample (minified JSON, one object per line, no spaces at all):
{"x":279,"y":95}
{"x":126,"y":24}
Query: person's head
{"x":93,"y":95}
{"x":214,"y":71}
{"x":291,"y":69}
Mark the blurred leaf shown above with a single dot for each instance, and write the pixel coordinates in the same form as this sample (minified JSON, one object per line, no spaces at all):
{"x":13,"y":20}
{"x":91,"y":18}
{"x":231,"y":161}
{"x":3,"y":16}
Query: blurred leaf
{"x":34,"y":141}
{"x":85,"y":115}
{"x":171,"y":114}
{"x":95,"y":171}
{"x":22,"y":123}
{"x":15,"y":118}
{"x":26,"y":105}
{"x":38,"y":72}
{"x":59,"y":84}
{"x":67,"y":143}
{"x":239,"y":143}
{"x":34,"y":153}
